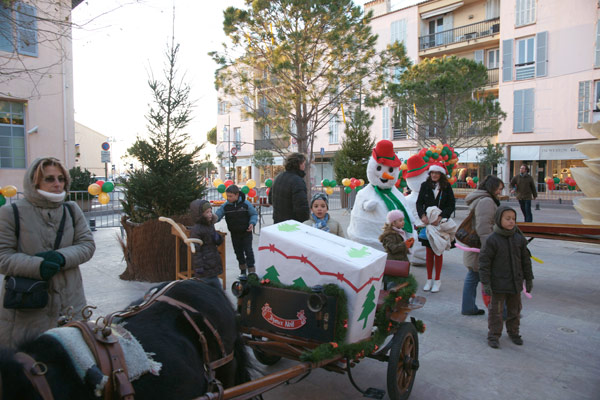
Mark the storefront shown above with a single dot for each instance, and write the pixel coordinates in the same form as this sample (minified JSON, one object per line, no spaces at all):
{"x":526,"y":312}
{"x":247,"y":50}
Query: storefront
{"x":468,"y":163}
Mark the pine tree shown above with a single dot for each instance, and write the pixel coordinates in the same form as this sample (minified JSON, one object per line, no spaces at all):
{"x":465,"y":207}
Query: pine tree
{"x":299,"y":282}
{"x":368,"y":306}
{"x":352,"y":158}
{"x":272,"y":274}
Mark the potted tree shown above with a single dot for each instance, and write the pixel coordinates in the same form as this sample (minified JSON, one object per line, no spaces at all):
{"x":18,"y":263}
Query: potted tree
{"x":165,"y":184}
{"x":80,"y":180}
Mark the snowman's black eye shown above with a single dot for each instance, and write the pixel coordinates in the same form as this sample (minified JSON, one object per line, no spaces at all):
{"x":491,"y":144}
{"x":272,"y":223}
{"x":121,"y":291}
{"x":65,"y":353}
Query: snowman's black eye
{"x":391,"y":170}
{"x":379,"y":168}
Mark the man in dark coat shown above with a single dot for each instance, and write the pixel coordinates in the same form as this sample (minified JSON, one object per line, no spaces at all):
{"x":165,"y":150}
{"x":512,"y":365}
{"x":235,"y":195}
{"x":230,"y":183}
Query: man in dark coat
{"x":288,"y":194}
{"x":524,"y":186}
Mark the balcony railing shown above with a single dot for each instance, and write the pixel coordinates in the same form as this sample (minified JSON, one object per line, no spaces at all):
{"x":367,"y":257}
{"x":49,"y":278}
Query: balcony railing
{"x":493,"y":76}
{"x":460,"y":34}
{"x":271,"y":144}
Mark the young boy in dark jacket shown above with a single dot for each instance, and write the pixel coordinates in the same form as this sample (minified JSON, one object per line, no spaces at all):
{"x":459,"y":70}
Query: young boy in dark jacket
{"x":241,"y":217}
{"x":206,"y":261}
{"x":504,"y":262}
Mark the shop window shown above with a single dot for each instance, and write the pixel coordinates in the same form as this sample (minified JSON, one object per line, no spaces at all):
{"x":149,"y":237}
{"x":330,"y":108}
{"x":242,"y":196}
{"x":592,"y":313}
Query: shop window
{"x":12,"y":135}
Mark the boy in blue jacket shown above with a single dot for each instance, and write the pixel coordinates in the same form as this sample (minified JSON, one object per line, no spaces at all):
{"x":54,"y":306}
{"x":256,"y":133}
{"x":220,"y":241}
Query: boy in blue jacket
{"x":241,"y":217}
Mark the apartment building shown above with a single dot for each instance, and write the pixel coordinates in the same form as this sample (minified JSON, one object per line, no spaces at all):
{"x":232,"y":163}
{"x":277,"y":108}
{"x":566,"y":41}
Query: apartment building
{"x":36,"y":85}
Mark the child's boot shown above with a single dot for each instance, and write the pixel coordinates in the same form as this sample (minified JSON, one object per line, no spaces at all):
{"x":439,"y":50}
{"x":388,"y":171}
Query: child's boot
{"x":243,"y":269}
{"x":516,"y":339}
{"x":428,"y":284}
{"x":436,"y":286}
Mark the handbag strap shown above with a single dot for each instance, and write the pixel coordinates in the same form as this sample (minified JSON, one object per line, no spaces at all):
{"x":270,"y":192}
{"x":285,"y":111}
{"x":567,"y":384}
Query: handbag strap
{"x":61,"y":227}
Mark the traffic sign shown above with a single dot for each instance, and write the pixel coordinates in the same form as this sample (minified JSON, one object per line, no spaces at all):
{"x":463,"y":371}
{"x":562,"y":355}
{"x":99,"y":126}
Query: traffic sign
{"x":105,"y":146}
{"x":105,"y":156}
{"x":234,"y":151}
{"x":233,"y":159}
{"x":322,"y":151}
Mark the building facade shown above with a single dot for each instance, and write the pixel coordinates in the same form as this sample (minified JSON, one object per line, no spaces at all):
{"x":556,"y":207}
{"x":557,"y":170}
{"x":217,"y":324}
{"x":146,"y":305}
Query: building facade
{"x":88,"y":148}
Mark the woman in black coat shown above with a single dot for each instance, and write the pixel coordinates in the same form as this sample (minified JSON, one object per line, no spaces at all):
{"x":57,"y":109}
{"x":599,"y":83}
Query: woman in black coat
{"x":435,"y":191}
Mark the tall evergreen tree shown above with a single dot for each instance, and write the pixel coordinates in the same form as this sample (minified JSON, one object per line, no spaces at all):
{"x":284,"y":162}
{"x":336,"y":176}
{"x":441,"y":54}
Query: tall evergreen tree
{"x":168,"y":180}
{"x":352,"y":158}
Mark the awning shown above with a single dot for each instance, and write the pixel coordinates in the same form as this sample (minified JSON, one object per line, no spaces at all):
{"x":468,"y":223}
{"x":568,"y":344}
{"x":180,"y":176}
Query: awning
{"x":470,"y":155}
{"x":546,"y":152}
{"x":440,"y":11}
{"x":524,"y":153}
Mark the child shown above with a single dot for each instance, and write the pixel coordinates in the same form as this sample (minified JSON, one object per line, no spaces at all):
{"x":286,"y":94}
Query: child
{"x":393,"y":237}
{"x":241,"y":217}
{"x":206,"y":261}
{"x":504,"y":262}
{"x":319,"y":217}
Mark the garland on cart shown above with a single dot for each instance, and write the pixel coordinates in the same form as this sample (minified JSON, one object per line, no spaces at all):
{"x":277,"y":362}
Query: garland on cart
{"x":382,"y":323}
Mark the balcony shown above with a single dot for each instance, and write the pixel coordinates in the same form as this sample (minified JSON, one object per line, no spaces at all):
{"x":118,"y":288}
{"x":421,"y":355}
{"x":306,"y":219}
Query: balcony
{"x":271,"y":144}
{"x":461,"y":34}
{"x":493,"y":76}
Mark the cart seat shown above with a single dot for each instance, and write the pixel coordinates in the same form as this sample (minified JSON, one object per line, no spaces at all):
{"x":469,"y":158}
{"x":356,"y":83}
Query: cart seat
{"x":397,"y":268}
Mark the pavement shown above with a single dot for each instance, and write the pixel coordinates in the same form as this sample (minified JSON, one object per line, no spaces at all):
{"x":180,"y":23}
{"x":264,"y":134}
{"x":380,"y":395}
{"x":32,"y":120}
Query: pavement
{"x":560,"y":325}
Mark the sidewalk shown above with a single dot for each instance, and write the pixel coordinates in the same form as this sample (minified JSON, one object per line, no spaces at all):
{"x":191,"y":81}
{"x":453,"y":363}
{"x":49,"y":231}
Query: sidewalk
{"x":560,"y":326}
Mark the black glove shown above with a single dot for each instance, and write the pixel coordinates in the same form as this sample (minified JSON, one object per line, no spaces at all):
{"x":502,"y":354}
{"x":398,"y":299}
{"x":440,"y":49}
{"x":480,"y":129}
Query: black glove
{"x":52,"y":256}
{"x":487,"y":289}
{"x":48,"y":269}
{"x":528,"y":286}
{"x":217,"y":238}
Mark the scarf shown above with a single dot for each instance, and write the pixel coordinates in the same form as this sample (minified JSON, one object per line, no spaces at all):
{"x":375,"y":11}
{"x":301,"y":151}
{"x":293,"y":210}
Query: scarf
{"x":504,"y":232}
{"x":392,"y":203}
{"x":400,"y":232}
{"x":53,"y":197}
{"x":321,"y":223}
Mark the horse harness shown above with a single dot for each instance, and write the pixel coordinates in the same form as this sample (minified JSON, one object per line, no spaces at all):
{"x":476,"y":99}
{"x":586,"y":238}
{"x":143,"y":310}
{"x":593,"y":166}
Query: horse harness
{"x":109,"y":355}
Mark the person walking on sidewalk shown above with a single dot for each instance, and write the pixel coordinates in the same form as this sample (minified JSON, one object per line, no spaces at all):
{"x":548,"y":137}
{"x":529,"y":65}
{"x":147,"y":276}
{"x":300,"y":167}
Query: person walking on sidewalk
{"x":524,"y":187}
{"x":241,"y":217}
{"x":504,"y":263}
{"x":289,"y":195}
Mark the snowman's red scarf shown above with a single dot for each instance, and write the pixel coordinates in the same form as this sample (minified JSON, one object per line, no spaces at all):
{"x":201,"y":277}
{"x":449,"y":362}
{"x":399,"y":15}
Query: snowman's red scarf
{"x":392,"y":203}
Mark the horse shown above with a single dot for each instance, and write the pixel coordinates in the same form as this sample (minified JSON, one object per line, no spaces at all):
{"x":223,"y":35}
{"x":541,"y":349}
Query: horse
{"x":161,"y":329}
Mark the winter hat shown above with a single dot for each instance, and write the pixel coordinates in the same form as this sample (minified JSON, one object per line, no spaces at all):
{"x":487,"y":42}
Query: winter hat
{"x":501,"y":210}
{"x":232,"y":189}
{"x":319,"y":196}
{"x":439,"y":167}
{"x":394,"y":215}
{"x":383,"y":153}
{"x":416,"y":166}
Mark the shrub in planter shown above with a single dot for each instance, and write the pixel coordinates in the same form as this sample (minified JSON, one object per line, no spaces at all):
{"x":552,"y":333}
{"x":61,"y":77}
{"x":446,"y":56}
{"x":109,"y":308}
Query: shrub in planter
{"x":80,"y":180}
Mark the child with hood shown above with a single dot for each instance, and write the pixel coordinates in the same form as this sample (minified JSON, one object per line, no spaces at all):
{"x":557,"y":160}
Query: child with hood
{"x":394,"y":239}
{"x":504,"y":262}
{"x":206,"y":261}
{"x":320,"y":218}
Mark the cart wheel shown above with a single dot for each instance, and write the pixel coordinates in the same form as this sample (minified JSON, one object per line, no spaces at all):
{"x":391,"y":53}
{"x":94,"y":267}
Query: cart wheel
{"x":264,"y":358}
{"x":403,"y":362}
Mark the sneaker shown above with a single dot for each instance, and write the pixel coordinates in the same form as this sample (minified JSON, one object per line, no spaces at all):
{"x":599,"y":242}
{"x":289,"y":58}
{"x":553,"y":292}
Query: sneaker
{"x":436,"y":286}
{"x":428,"y":284}
{"x":478,"y":312}
{"x":516,"y":339}
{"x":494,"y":343}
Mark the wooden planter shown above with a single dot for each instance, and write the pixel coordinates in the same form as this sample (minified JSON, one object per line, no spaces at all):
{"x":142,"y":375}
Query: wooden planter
{"x":149,"y":250}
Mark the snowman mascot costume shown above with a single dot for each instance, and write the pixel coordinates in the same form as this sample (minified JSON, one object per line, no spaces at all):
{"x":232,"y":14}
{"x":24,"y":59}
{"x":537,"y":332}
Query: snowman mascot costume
{"x":415,"y":174}
{"x":379,"y":197}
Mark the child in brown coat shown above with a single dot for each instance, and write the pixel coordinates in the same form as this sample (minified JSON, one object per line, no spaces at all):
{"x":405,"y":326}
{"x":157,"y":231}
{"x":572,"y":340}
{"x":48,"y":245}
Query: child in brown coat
{"x":393,"y":237}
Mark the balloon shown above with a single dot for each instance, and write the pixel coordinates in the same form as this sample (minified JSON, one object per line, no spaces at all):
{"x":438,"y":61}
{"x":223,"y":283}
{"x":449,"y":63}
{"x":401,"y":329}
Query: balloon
{"x":221,"y":188}
{"x":9,"y":191}
{"x":426,"y":159}
{"x":103,"y":198}
{"x":329,"y":190}
{"x":224,"y":195}
{"x":252,"y":193}
{"x":325,"y":182}
{"x":346,"y":182}
{"x":100,"y":183}
{"x":476,"y":179}
{"x":94,"y":189}
{"x":332,"y":183}
{"x":362,"y":182}
{"x":435,"y":156}
{"x":251,"y":183}
{"x":403,"y":167}
{"x":429,"y":153}
{"x":2,"y":200}
{"x":217,"y":182}
{"x":228,"y":183}
{"x":268,"y":191}
{"x":245,"y":189}
{"x":556,"y":180}
{"x":269,"y":183}
{"x":108,"y":187}
{"x":347,"y":189}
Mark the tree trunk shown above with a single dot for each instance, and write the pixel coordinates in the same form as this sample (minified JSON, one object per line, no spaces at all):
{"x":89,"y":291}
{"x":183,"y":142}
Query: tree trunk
{"x":149,"y":250}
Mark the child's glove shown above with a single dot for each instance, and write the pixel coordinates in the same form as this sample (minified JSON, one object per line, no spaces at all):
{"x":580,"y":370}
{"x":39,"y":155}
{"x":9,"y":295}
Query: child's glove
{"x":217,"y":238}
{"x":487,"y":289}
{"x":52,"y":256}
{"x":528,"y":286}
{"x":48,"y":269}
{"x":409,"y":242}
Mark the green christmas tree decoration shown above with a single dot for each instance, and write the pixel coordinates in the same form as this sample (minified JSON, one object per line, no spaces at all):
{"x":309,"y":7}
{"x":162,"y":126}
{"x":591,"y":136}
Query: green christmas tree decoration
{"x":368,"y":306}
{"x":300,"y":283}
{"x":358,"y":253}
{"x":272,"y":274}
{"x":288,"y":227}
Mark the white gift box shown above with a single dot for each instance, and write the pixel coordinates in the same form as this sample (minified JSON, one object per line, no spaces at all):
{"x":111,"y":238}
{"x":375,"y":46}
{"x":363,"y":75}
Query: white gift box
{"x":289,"y":251}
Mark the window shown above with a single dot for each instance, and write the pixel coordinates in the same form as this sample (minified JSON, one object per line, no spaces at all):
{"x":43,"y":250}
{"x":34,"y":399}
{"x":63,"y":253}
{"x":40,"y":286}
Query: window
{"x":597,"y":52}
{"x":523,"y":111}
{"x":492,"y":9}
{"x":266,"y":132}
{"x":237,"y":137}
{"x":584,"y":106}
{"x":524,"y":12}
{"x":263,"y":108}
{"x":226,"y":133}
{"x":245,"y":108}
{"x":525,"y":59}
{"x":385,"y":123}
{"x":493,"y":58}
{"x":333,"y":130}
{"x":19,"y":26}
{"x":222,"y":107}
{"x":398,"y":30}
{"x":400,"y":123}
{"x":12,"y":135}
{"x":596,"y":105}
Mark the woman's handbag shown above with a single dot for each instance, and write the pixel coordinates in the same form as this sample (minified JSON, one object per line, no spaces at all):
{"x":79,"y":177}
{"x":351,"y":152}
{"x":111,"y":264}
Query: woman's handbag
{"x":423,"y":233}
{"x":25,"y":293}
{"x":466,"y":234}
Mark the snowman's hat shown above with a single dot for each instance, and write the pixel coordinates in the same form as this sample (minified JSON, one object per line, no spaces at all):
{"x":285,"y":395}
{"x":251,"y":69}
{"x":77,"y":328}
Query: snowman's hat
{"x":416,"y":166}
{"x":439,"y":167}
{"x":384,"y":154}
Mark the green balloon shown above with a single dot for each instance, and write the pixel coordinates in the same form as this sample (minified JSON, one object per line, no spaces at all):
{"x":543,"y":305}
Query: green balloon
{"x":221,"y":188}
{"x":347,"y":189}
{"x":325,"y":182}
{"x":245,"y":189}
{"x":426,"y":159}
{"x":332,"y":183}
{"x":556,"y":181}
{"x":435,"y":156}
{"x":269,"y":182}
{"x":2,"y":200}
{"x":428,"y":153}
{"x":108,"y":187}
{"x":359,"y":188}
{"x":476,"y":179}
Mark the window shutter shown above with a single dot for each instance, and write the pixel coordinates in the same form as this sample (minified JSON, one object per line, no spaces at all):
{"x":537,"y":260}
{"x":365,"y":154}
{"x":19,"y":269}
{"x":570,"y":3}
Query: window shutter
{"x":479,"y":56}
{"x":26,"y":29}
{"x":541,"y":61}
{"x":6,"y":35}
{"x":528,"y":115}
{"x":583,"y":108}
{"x":385,"y":116}
{"x":518,"y":111}
{"x":518,"y":12}
{"x":507,"y":67}
{"x":398,"y":31}
{"x":596,"y":64}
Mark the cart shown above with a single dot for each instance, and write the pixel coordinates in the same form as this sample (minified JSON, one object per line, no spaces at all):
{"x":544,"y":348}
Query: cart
{"x":271,"y":341}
